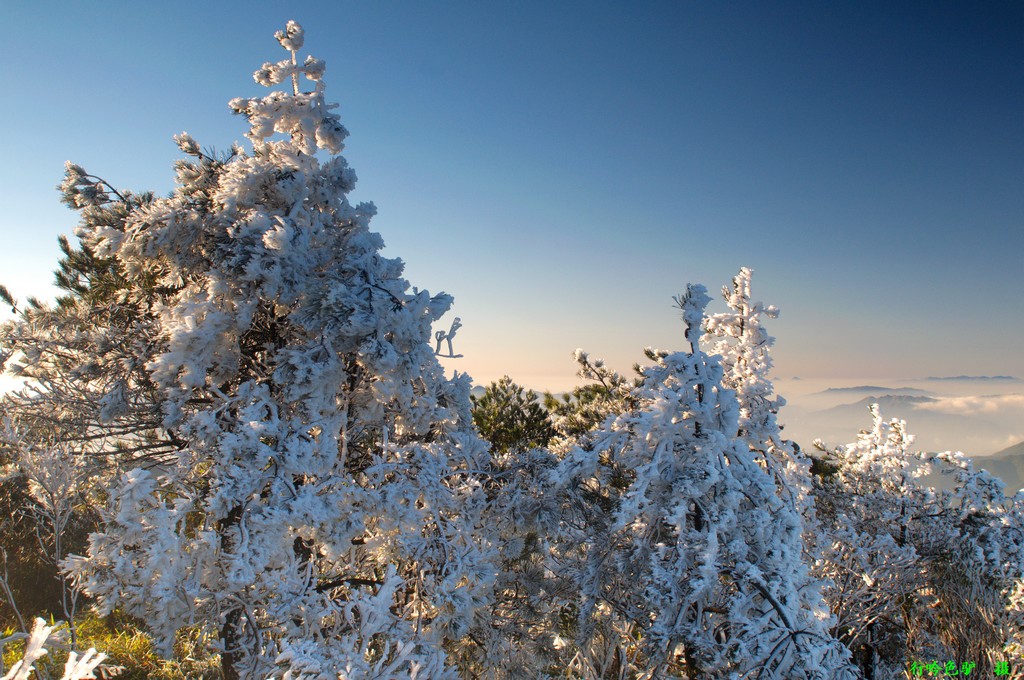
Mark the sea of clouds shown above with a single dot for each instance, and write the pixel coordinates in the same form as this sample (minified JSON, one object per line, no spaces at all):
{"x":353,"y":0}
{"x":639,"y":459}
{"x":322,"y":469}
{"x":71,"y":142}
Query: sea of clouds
{"x":979,"y":416}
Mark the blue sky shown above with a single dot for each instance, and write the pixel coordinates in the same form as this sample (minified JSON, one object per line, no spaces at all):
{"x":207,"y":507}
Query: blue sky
{"x":565,"y":168}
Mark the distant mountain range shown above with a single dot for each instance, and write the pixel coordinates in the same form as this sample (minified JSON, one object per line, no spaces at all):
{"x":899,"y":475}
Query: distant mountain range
{"x":898,"y":401}
{"x":1009,"y":452}
{"x":1007,"y":464}
{"x":934,"y":429}
{"x":975,"y":377}
{"x":907,"y":407}
{"x":874,"y":389}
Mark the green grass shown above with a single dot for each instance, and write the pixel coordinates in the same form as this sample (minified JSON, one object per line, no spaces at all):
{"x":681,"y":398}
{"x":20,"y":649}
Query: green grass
{"x":126,"y":644}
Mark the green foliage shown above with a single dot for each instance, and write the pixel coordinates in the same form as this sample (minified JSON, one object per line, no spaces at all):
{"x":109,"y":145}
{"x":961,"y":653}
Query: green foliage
{"x":825,"y":463}
{"x":126,"y":644}
{"x":583,"y":409}
{"x":510,"y":419}
{"x":823,"y":468}
{"x":129,"y":649}
{"x":6,"y":296}
{"x":84,"y":276}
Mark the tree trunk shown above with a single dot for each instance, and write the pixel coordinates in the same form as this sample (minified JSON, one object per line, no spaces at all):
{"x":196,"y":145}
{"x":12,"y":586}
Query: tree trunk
{"x":230,"y":633}
{"x":231,"y":656}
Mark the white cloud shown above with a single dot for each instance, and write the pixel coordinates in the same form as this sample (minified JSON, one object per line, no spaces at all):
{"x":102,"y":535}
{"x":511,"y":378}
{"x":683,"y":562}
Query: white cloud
{"x":993,"y":404}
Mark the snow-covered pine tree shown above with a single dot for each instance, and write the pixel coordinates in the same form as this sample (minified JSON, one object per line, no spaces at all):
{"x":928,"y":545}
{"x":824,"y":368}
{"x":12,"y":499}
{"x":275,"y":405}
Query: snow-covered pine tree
{"x":741,"y":341}
{"x":744,"y":345}
{"x":682,"y":540}
{"x":874,"y":574}
{"x":308,"y":491}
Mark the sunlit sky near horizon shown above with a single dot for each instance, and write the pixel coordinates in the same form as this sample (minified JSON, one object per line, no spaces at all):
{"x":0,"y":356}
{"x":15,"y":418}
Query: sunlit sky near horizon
{"x":564,"y":168}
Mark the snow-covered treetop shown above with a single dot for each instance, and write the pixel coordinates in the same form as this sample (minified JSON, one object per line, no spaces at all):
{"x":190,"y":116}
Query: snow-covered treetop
{"x":743,"y":341}
{"x":292,"y":37}
{"x":303,"y":116}
{"x":739,"y":337}
{"x":693,"y":303}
